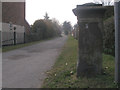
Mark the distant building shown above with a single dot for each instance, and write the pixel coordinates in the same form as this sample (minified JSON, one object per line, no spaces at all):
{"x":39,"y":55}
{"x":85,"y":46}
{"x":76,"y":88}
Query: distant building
{"x":13,"y":19}
{"x":14,"y":12}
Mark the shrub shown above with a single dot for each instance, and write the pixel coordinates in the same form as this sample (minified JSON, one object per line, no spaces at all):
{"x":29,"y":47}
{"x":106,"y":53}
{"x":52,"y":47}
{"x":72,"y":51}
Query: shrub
{"x":109,"y":12}
{"x":43,"y":29}
{"x":109,"y":36}
{"x":39,"y":29}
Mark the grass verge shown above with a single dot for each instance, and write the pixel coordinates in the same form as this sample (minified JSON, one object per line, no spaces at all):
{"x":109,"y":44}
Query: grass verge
{"x":13,"y":47}
{"x":63,"y":73}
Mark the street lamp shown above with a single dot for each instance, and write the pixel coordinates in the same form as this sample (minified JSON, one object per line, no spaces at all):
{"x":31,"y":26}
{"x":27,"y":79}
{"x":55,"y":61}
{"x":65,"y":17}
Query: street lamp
{"x":14,"y":35}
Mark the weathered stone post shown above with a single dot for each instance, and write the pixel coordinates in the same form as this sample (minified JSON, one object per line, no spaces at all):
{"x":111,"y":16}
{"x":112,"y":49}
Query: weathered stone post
{"x":90,"y":21}
{"x":77,"y":33}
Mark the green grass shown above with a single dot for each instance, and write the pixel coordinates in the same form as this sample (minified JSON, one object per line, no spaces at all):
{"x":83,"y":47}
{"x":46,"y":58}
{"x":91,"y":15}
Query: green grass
{"x":63,"y":73}
{"x":13,"y":47}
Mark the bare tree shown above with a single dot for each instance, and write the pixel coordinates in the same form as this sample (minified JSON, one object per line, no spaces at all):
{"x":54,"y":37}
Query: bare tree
{"x":67,"y":27}
{"x":104,"y":2}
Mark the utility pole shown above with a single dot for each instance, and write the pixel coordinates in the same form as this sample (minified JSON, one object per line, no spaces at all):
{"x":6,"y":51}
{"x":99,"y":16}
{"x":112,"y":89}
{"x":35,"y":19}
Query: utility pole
{"x":117,"y":41}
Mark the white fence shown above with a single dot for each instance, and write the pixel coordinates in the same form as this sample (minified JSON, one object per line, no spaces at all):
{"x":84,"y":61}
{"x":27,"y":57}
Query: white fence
{"x":8,"y":34}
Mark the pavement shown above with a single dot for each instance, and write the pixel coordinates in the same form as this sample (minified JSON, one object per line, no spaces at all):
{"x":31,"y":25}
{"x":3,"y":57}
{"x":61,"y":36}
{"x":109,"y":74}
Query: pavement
{"x":26,"y":67}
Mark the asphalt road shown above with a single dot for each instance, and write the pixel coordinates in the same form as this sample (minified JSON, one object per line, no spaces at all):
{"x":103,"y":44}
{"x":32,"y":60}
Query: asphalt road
{"x":26,"y":67}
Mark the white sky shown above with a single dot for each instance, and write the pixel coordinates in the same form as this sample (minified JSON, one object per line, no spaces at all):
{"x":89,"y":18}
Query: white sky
{"x":59,"y":9}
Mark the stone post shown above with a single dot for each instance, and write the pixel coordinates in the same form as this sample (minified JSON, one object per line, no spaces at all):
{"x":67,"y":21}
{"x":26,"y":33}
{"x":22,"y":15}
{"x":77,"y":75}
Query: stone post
{"x":90,"y":21}
{"x":77,"y":33}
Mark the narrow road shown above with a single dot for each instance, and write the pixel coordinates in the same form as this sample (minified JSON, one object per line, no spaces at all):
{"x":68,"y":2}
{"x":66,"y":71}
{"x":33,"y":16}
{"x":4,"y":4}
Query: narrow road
{"x":26,"y":67}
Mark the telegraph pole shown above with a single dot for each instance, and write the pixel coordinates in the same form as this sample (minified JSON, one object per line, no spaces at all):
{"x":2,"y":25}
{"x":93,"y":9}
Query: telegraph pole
{"x":117,"y":41}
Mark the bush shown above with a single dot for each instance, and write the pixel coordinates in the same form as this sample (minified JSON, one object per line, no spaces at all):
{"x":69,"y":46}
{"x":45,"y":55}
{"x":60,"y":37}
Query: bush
{"x":43,"y":29}
{"x":31,"y":38}
{"x":109,"y":12}
{"x":39,"y":29}
{"x":109,"y":36}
